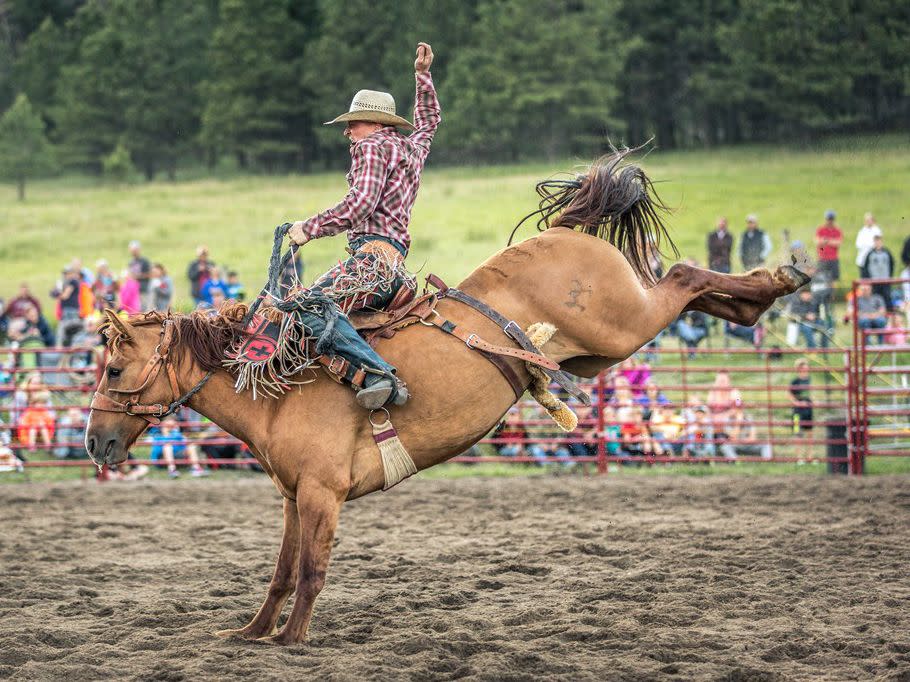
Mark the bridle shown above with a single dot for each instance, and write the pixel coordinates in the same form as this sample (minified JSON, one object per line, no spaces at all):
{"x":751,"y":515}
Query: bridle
{"x":161,"y":359}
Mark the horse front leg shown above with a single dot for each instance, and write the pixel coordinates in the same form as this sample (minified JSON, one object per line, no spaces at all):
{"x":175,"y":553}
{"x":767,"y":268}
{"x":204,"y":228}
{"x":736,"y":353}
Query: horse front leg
{"x":283,"y":580}
{"x":318,"y":508}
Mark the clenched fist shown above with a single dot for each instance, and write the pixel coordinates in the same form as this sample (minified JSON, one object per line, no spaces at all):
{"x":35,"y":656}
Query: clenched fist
{"x":424,"y":58}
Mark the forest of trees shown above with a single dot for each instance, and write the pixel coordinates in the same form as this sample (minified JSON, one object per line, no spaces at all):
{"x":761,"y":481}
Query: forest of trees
{"x":165,"y":84}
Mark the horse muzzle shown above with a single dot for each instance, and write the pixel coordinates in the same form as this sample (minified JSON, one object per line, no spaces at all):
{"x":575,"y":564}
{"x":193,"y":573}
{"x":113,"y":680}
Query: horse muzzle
{"x":105,"y":450}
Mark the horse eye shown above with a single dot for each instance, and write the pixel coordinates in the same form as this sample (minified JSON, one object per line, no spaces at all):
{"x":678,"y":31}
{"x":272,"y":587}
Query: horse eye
{"x":113,"y":372}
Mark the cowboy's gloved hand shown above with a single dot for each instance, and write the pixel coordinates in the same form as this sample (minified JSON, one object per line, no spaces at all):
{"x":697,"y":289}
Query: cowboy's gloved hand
{"x":297,"y":235}
{"x":424,"y":58}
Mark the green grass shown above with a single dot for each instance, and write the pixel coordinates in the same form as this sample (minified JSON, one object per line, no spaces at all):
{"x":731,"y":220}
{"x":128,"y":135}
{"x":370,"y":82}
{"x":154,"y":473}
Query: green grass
{"x":461,"y":217}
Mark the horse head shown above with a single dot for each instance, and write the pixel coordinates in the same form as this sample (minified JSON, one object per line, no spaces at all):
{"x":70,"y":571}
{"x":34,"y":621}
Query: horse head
{"x":136,"y":388}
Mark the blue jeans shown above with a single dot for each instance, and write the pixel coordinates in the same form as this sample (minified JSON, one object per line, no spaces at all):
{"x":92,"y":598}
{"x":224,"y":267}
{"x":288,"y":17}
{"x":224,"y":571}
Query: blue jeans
{"x":690,"y":334}
{"x":807,"y":330}
{"x":875,"y":323}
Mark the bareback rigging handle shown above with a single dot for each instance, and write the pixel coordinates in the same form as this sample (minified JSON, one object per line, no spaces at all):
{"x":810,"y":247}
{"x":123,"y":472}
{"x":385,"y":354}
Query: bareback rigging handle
{"x":277,"y":263}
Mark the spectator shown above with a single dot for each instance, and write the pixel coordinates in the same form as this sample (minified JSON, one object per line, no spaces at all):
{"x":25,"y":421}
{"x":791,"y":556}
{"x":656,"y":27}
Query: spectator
{"x":870,"y":310}
{"x":651,"y":398}
{"x":161,"y":287}
{"x":84,"y":273}
{"x":234,"y":290}
{"x":879,"y":264}
{"x":511,"y":435}
{"x":637,"y":373}
{"x":905,"y":253}
{"x":67,"y":295}
{"x":22,"y":301}
{"x":9,"y":461}
{"x":865,"y":239}
{"x":219,"y":450}
{"x":691,"y":327}
{"x":754,"y":246}
{"x":720,"y":246}
{"x":37,"y":422}
{"x":636,"y":439}
{"x":215,"y":281}
{"x":905,"y":289}
{"x":622,"y":393}
{"x":802,"y":404}
{"x":70,"y":434}
{"x":723,"y":398}
{"x":612,"y":433}
{"x":292,"y":273}
{"x":4,"y":322}
{"x":742,"y":438}
{"x":805,"y":314}
{"x":754,"y":334}
{"x":140,"y":270}
{"x":828,"y":238}
{"x":667,"y":429}
{"x":168,"y":445}
{"x":700,"y":434}
{"x":104,"y":287}
{"x":130,"y":297}
{"x":199,"y":272}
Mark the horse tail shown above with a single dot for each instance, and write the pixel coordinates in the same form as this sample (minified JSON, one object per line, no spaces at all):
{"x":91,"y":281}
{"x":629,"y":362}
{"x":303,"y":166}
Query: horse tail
{"x":613,"y":201}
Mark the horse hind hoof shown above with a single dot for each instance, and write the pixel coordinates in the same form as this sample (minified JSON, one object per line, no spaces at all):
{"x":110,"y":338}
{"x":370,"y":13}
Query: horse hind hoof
{"x":801,"y":262}
{"x":238,"y":634}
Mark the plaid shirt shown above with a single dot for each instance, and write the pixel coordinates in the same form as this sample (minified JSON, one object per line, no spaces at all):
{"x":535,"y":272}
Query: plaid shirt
{"x":384,"y":177}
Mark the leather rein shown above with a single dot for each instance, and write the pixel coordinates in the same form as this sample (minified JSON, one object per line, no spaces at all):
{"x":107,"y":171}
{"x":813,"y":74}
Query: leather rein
{"x":152,"y":413}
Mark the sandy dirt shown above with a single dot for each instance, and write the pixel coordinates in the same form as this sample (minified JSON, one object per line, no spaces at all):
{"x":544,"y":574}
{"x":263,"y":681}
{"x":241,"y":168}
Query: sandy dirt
{"x":566,"y":577}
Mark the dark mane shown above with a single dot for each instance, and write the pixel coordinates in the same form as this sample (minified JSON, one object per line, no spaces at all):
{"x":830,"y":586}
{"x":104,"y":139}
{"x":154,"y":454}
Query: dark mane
{"x":201,"y":335}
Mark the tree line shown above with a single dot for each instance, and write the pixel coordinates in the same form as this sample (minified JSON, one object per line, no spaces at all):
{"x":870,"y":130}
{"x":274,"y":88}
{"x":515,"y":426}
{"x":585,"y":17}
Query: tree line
{"x":160,"y":84}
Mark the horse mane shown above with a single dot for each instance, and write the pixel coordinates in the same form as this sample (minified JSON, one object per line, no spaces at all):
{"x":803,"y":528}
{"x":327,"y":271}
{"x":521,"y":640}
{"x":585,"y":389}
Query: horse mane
{"x":204,"y":336}
{"x":612,"y":201}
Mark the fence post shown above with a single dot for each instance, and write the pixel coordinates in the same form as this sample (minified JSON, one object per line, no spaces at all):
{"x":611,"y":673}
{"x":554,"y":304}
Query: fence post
{"x":601,"y":426}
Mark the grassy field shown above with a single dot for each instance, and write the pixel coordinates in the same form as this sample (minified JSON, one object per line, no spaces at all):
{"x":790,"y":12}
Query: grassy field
{"x":461,"y":217}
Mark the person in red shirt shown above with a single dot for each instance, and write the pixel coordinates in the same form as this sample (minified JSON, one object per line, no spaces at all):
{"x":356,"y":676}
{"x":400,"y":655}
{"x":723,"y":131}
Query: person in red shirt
{"x":828,"y":238}
{"x":383,"y":183}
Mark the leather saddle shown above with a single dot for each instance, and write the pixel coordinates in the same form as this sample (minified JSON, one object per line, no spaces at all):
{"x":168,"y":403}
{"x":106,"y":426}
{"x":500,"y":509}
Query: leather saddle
{"x":405,"y":308}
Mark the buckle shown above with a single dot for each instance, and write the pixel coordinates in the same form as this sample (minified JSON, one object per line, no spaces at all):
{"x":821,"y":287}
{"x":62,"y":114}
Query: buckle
{"x":341,"y":364}
{"x":510,"y":324}
{"x":469,"y":341}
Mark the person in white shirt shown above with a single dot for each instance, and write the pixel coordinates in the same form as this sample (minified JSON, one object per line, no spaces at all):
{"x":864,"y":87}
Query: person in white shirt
{"x":865,"y":238}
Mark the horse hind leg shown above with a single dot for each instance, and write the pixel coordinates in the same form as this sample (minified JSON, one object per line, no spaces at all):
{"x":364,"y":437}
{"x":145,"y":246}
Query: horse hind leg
{"x":736,"y":310}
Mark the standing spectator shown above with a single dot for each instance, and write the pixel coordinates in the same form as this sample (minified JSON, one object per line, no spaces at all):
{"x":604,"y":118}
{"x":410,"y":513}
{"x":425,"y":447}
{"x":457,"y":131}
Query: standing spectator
{"x":864,"y":239}
{"x":234,"y":289}
{"x":802,"y":404}
{"x":870,"y":310}
{"x":691,"y":327}
{"x":140,"y":270}
{"x":104,"y":287}
{"x":905,"y":253}
{"x":70,"y":430}
{"x":130,"y":298}
{"x":754,"y":246}
{"x":828,"y":238}
{"x":879,"y":264}
{"x":68,"y":319}
{"x":162,"y":288}
{"x":199,"y":272}
{"x":22,"y":301}
{"x":804,"y":311}
{"x":720,"y":246}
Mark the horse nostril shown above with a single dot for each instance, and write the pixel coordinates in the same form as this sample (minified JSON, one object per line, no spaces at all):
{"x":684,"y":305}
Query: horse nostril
{"x":90,"y":445}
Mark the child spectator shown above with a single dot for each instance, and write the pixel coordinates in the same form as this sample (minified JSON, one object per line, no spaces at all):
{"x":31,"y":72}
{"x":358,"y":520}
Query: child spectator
{"x":667,"y":429}
{"x":637,"y":373}
{"x":37,"y":422}
{"x":104,"y":287}
{"x":802,"y":403}
{"x":161,"y":287}
{"x":168,"y":445}
{"x":215,"y":282}
{"x":199,"y":272}
{"x":70,"y":430}
{"x":130,"y":300}
{"x":700,"y":434}
{"x":612,"y":433}
{"x":636,"y":440}
{"x":651,"y":398}
{"x":234,"y":290}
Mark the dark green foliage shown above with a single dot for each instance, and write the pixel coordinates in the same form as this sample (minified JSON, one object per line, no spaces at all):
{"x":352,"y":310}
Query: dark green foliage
{"x":24,"y":150}
{"x":255,"y":79}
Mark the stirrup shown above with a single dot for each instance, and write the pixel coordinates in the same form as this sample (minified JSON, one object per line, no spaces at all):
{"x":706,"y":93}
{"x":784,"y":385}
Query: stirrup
{"x":386,"y":392}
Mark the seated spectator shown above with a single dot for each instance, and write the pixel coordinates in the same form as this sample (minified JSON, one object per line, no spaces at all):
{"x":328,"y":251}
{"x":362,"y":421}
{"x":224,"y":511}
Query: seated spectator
{"x":651,"y":398}
{"x":723,"y":399}
{"x":510,"y":434}
{"x":700,"y":434}
{"x":219,"y":450}
{"x":870,"y":310}
{"x":168,"y":445}
{"x":70,"y":435}
{"x":691,"y":327}
{"x":804,"y":312}
{"x":637,"y":373}
{"x":741,"y":438}
{"x":754,"y":334}
{"x":612,"y":433}
{"x":36,"y":422}
{"x":9,"y":461}
{"x":234,"y":290}
{"x":636,"y":439}
{"x":31,"y":385}
{"x":23,"y":335}
{"x":161,"y":288}
{"x":667,"y":429}
{"x":586,"y":431}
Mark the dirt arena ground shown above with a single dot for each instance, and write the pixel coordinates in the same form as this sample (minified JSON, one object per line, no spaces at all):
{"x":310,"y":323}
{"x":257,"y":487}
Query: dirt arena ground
{"x":572,"y":578}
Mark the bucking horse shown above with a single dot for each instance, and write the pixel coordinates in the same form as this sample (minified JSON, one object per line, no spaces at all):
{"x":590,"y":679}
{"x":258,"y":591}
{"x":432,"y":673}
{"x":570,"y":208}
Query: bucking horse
{"x":587,"y":273}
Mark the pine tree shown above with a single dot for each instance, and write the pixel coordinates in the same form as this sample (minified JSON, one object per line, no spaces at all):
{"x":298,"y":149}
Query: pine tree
{"x":24,"y":149}
{"x":256,"y":107}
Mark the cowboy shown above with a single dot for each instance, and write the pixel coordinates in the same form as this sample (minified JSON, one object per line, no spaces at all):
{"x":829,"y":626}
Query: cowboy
{"x":383,"y":180}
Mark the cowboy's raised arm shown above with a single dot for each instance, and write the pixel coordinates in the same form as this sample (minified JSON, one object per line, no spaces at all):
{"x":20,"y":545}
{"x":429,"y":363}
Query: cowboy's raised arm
{"x":368,"y":174}
{"x":426,"y":106}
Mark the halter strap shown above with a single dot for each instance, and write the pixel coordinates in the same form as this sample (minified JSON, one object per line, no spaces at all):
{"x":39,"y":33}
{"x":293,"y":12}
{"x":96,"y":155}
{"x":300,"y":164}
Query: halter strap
{"x":156,"y":412}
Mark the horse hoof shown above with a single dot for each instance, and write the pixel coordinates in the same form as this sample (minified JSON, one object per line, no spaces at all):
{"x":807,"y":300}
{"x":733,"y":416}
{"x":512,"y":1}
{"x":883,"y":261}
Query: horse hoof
{"x":275,"y":640}
{"x":242,"y":633}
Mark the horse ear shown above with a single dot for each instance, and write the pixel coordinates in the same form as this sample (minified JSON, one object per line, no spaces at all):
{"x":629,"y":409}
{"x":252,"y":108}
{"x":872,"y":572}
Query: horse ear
{"x":119,"y":323}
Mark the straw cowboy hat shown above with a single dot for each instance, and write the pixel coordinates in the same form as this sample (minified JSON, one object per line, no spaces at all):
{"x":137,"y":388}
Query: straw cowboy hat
{"x":375,"y":107}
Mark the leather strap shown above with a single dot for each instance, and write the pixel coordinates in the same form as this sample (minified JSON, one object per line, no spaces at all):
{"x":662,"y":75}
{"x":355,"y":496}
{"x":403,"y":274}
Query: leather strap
{"x":472,"y":340}
{"x":518,"y":386}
